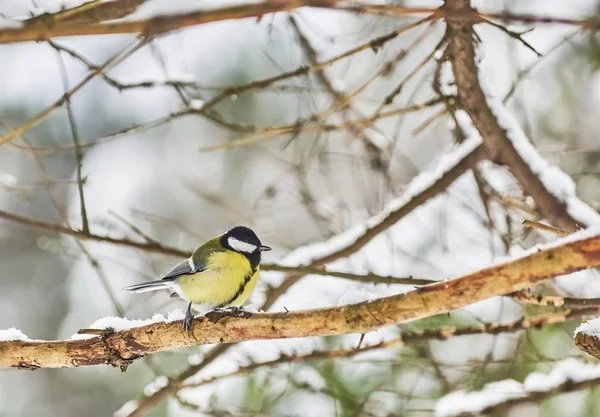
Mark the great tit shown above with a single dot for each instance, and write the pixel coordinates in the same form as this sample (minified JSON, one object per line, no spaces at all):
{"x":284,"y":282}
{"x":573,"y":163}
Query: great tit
{"x":221,"y":273}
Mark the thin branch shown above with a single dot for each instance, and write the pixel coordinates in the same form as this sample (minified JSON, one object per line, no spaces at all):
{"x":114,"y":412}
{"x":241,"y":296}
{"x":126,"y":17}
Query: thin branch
{"x":133,"y":228}
{"x":534,"y":397}
{"x":75,"y":134}
{"x":111,"y":62}
{"x":545,"y":228}
{"x":42,"y":30}
{"x":122,"y":348}
{"x":525,"y":323}
{"x":553,"y":300}
{"x":300,"y":126}
{"x":114,"y":82}
{"x":94,"y":11}
{"x":366,"y":278}
{"x":79,"y":234}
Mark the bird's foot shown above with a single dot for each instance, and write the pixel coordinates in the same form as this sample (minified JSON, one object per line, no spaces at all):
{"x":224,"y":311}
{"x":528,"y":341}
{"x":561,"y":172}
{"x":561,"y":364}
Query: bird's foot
{"x":187,"y":322}
{"x":218,"y":313}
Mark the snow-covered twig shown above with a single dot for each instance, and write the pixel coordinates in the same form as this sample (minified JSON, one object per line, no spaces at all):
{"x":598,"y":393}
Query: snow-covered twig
{"x":577,"y":252}
{"x":587,"y":337}
{"x":567,"y":376}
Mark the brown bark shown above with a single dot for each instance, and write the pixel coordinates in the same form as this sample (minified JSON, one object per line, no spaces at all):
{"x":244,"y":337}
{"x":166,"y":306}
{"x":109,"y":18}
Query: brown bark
{"x":462,"y":43}
{"x":121,"y":348}
{"x":590,"y":344}
{"x":50,"y":26}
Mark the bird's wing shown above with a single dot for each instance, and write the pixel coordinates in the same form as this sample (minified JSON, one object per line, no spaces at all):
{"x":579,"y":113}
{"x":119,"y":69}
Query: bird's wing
{"x":195,"y":263}
{"x":186,"y":267}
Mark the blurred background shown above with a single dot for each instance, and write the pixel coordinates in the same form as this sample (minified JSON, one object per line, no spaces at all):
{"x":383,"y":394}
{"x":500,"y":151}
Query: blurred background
{"x":146,"y":173}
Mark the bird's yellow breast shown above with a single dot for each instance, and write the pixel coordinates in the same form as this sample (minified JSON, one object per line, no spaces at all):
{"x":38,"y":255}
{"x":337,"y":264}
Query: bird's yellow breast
{"x":227,"y":281}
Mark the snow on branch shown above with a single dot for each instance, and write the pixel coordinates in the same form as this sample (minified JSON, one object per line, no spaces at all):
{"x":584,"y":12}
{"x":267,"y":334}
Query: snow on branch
{"x":587,"y":337}
{"x":551,"y":189}
{"x":119,"y":348}
{"x":567,"y":376}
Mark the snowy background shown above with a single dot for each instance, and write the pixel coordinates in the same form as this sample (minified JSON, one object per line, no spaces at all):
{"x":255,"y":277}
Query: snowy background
{"x":293,"y":190}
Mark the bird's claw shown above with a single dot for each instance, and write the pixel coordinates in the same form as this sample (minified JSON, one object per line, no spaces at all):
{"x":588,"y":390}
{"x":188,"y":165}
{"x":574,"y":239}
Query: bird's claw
{"x":187,"y":322}
{"x":218,"y":313}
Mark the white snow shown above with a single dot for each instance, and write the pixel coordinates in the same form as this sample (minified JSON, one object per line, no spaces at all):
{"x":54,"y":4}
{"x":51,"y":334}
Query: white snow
{"x":126,"y":409}
{"x":121,"y":323}
{"x":498,"y":392}
{"x":379,"y":139}
{"x":590,"y":327}
{"x":195,"y":359}
{"x":156,"y":385}
{"x":554,"y":179}
{"x":12,"y":334}
{"x":197,"y":104}
{"x":355,"y":294}
{"x":493,"y":393}
{"x":338,"y":85}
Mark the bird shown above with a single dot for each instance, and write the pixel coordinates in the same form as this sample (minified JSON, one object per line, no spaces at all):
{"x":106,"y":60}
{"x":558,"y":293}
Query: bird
{"x":222,"y":273}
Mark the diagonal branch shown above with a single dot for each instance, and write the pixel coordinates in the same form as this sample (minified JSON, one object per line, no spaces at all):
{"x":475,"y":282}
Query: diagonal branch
{"x":121,"y":348}
{"x":462,"y":42}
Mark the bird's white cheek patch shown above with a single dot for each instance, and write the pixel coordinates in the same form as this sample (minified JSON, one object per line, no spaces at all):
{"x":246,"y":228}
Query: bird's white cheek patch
{"x":241,"y":246}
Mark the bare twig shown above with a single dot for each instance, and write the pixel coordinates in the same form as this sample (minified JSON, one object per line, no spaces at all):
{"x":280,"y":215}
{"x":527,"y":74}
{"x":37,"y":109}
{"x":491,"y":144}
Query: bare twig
{"x":111,"y":62}
{"x":545,"y":228}
{"x":75,"y":134}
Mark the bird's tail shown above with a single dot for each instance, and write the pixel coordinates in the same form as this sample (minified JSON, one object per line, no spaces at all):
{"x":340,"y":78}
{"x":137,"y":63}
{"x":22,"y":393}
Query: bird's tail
{"x":161,"y":284}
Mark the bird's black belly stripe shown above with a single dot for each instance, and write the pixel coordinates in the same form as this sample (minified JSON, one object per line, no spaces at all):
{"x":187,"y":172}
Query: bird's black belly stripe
{"x":240,"y":290}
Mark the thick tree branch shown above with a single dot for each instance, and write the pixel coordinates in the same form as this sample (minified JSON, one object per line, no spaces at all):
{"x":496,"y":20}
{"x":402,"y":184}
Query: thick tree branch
{"x":86,"y":19}
{"x":462,"y":43}
{"x":121,"y":348}
{"x":47,"y":26}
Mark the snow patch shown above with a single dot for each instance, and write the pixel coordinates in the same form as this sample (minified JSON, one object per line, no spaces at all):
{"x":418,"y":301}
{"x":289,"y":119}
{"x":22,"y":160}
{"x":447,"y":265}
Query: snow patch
{"x":12,"y":334}
{"x":495,"y":393}
{"x":126,"y":409}
{"x":554,"y":179}
{"x":590,"y":327}
{"x":122,"y":323}
{"x":156,"y":385}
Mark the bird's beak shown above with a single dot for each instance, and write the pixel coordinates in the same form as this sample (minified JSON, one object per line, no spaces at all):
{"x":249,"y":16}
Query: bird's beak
{"x":264,"y":248}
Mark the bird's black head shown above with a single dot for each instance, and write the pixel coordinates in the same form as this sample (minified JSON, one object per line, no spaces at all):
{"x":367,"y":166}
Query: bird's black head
{"x":243,"y":240}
